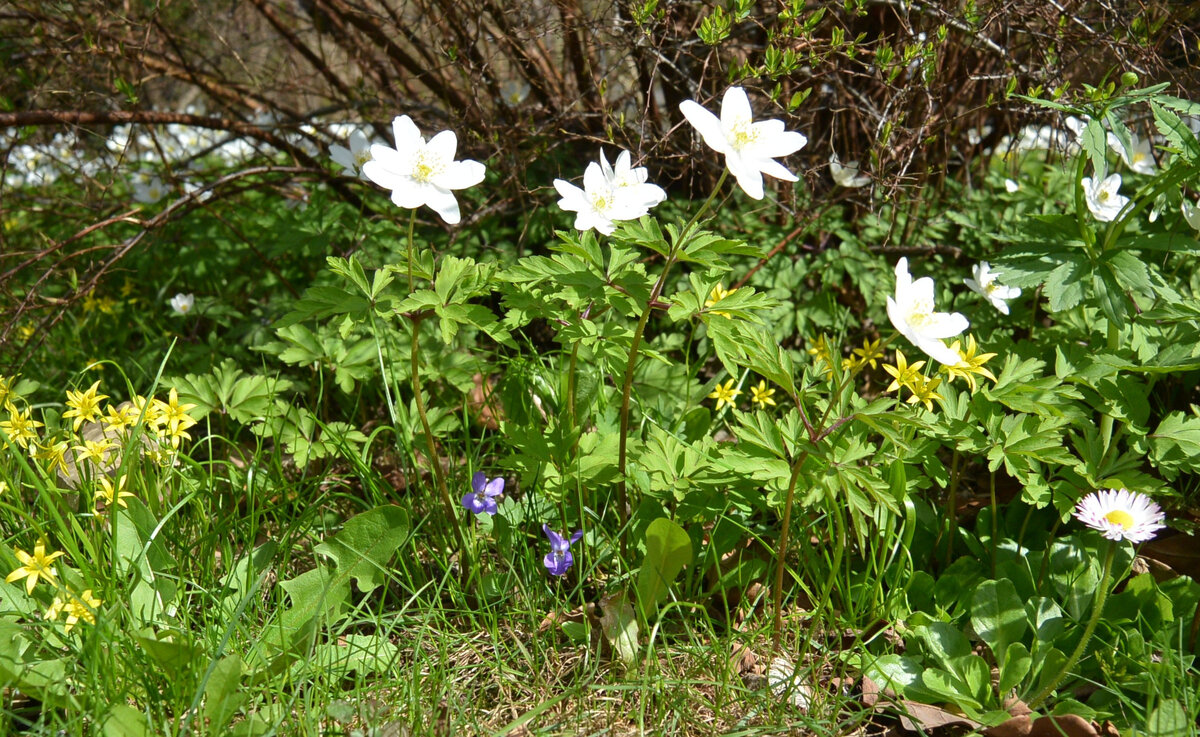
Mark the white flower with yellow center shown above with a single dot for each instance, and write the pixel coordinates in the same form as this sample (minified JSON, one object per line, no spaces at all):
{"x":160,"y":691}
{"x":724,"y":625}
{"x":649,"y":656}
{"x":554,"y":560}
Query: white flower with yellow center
{"x":1120,"y":514}
{"x":422,"y":173}
{"x":352,"y":159}
{"x":987,"y":285}
{"x":609,"y":194}
{"x":182,"y":304}
{"x":750,"y":148}
{"x":912,"y":313}
{"x":1103,"y":197}
{"x":1138,"y":157}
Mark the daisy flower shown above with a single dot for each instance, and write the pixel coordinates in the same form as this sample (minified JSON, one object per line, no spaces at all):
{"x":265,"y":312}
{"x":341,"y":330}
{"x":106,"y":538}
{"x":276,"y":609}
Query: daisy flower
{"x":1120,"y":514}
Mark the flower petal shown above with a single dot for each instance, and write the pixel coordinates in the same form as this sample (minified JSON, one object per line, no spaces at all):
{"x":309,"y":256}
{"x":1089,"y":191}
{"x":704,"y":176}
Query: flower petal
{"x":461,"y":174}
{"x":443,"y":145}
{"x":408,"y":135}
{"x":444,"y":203}
{"x":707,"y":125}
{"x":735,"y":107}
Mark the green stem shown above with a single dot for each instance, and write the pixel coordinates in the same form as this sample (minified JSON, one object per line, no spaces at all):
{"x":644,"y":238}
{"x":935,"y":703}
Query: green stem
{"x":627,"y":384}
{"x":995,"y":518}
{"x":412,"y":221}
{"x":952,"y":508}
{"x":434,"y":460}
{"x":780,"y":561}
{"x":1097,"y":609}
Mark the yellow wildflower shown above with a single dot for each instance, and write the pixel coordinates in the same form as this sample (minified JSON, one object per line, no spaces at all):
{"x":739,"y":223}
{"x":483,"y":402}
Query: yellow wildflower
{"x":94,"y":450}
{"x":717,"y":294}
{"x":725,"y":394}
{"x":110,"y":494}
{"x":149,"y":410}
{"x":53,"y":455}
{"x":175,"y":415}
{"x":761,"y":395}
{"x":20,"y":427}
{"x":969,"y":363}
{"x":121,"y":417}
{"x":6,"y":389}
{"x":870,"y":353}
{"x":904,"y":374}
{"x":34,"y":567}
{"x":925,"y":391}
{"x":84,"y":406}
{"x":82,"y":607}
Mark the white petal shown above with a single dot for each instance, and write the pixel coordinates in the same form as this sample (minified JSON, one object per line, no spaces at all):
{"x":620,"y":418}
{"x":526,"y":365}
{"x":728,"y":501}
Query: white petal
{"x":939,"y":351}
{"x":443,"y":145}
{"x":409,"y":194}
{"x":779,"y":144}
{"x":573,"y":198}
{"x":444,"y":204}
{"x":342,"y":157}
{"x":775,"y":169}
{"x":407,"y":134}
{"x":358,"y":141}
{"x":706,"y":124}
{"x":749,"y":177}
{"x":461,"y":174}
{"x":942,"y":325}
{"x":735,"y":107}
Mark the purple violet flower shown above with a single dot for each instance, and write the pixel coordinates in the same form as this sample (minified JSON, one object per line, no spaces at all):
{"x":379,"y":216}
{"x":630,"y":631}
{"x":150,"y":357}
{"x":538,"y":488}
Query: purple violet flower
{"x":559,"y":560}
{"x":482,"y":498}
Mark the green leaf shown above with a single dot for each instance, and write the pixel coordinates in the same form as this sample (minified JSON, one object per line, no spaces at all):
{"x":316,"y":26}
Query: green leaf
{"x":1095,"y":143}
{"x":1014,"y":667}
{"x":321,"y":302}
{"x":620,"y":627}
{"x":221,"y":696}
{"x":123,"y":720}
{"x":668,"y":550}
{"x":998,"y":615}
{"x":1175,"y":444}
{"x":1169,"y":719}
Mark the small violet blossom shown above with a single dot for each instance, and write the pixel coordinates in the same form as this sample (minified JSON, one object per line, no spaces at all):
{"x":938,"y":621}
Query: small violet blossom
{"x":182,"y":304}
{"x":482,"y":497}
{"x":750,"y":148}
{"x":1103,"y":198}
{"x":559,"y":560}
{"x":609,"y":194}
{"x":912,"y":313}
{"x":421,"y":172}
{"x":987,"y":285}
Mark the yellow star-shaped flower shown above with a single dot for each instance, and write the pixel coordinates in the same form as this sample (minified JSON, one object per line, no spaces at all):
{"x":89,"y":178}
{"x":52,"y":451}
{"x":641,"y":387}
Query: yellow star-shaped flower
{"x":903,"y":374}
{"x":84,"y":406}
{"x":969,"y":364}
{"x":34,"y":567}
{"x":725,"y":394}
{"x":762,"y":395}
{"x":717,"y":294}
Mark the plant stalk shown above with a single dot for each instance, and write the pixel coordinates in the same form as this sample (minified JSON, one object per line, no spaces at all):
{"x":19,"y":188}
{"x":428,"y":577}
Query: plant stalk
{"x":1097,"y":609}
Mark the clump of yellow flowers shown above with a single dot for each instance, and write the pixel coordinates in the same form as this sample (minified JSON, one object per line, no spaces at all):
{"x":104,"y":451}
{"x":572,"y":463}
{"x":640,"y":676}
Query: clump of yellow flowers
{"x":84,"y":451}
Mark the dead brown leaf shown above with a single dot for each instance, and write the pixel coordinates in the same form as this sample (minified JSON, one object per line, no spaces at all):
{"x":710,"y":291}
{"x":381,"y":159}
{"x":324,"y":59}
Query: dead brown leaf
{"x":1025,"y":725}
{"x":917,"y":717}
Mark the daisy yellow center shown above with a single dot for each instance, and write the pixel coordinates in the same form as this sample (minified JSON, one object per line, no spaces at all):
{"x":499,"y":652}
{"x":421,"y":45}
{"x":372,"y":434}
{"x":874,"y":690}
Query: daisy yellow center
{"x":742,"y":133}
{"x":1121,"y":518}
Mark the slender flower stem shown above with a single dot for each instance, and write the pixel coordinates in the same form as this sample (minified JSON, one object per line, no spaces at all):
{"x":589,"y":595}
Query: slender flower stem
{"x":412,"y":221}
{"x":627,"y":385}
{"x":1097,"y":609}
{"x":434,"y":460}
{"x":951,"y":509}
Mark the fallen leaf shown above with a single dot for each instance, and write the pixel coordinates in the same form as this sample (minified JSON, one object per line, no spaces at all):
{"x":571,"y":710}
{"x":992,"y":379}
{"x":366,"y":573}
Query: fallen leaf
{"x":918,"y":717}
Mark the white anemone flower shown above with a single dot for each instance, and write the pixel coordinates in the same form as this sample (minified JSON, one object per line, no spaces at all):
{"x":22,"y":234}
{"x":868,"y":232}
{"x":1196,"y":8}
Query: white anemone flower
{"x":912,"y":313}
{"x":514,"y":91}
{"x":846,"y":175}
{"x":352,"y":159}
{"x":750,"y":148}
{"x":148,"y":189}
{"x":182,"y":304}
{"x":1103,"y":197}
{"x":1011,"y":186}
{"x":1120,"y":514}
{"x":1191,"y":213}
{"x":609,"y":195}
{"x":1139,"y":157}
{"x":422,"y":173}
{"x":986,"y":284}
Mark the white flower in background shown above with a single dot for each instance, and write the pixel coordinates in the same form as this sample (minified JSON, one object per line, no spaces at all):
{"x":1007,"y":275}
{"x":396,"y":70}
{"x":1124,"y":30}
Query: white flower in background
{"x":197,"y":189}
{"x":912,"y":313}
{"x":352,"y":159}
{"x":609,"y":195}
{"x":847,"y":175}
{"x":1191,"y":213}
{"x":148,"y":189}
{"x":1139,"y":157}
{"x":422,"y":173}
{"x":1103,"y":198}
{"x":750,"y":148}
{"x":986,"y":285}
{"x":1120,"y":514}
{"x":514,"y":91}
{"x":182,"y":304}
{"x":975,"y":136}
{"x":1011,"y":186}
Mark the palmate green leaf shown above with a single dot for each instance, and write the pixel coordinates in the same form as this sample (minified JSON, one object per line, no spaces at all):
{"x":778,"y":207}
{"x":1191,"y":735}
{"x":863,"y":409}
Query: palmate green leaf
{"x":1177,"y":133}
{"x":1113,"y":302}
{"x":321,"y":302}
{"x":1066,"y":285}
{"x":1175,"y":443}
{"x":668,"y":550}
{"x":1094,"y":141}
